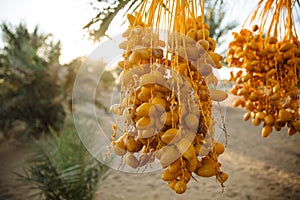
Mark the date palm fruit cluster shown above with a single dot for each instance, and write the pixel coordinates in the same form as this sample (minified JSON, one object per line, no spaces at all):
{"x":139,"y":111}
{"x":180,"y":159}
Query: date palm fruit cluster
{"x":165,"y":100}
{"x":268,"y":81}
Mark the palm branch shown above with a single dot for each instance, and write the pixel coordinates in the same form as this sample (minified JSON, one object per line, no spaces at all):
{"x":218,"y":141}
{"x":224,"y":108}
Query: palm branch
{"x":61,"y":168}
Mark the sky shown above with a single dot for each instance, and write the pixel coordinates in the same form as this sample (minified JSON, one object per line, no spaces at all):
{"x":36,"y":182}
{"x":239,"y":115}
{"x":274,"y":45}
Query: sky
{"x":65,"y":19}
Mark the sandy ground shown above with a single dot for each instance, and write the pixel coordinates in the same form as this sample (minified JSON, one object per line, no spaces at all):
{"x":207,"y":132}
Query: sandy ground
{"x":258,"y":169}
{"x":12,"y":157}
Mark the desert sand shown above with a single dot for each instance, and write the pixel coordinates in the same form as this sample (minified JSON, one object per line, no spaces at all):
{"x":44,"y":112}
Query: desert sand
{"x":258,"y":168}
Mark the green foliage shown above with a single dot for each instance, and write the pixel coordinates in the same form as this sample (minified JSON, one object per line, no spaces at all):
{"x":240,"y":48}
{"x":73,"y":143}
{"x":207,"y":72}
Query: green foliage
{"x":61,"y":168}
{"x":29,"y":88}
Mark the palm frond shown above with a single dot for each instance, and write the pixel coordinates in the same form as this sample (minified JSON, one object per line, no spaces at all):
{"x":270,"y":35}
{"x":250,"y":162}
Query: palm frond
{"x":106,"y":15}
{"x":61,"y":167}
{"x":28,"y":58}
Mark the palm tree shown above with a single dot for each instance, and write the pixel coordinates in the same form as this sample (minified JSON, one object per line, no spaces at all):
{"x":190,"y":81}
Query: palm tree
{"x":28,"y":74}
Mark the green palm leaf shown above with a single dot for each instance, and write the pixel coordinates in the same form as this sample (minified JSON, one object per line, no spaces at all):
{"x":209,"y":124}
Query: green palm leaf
{"x":61,"y":168}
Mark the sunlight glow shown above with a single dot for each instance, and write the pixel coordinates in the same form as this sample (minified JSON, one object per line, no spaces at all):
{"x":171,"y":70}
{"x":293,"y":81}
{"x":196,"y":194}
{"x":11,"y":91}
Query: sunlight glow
{"x":64,"y":19}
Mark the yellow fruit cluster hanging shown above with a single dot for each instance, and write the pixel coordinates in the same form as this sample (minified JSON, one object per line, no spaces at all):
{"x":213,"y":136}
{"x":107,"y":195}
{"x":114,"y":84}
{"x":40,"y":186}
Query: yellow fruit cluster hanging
{"x":165,"y":100}
{"x":270,"y":62}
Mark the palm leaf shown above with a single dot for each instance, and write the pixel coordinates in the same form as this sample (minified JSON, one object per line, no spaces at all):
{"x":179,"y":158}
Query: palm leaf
{"x":109,"y":14}
{"x":61,"y":167}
